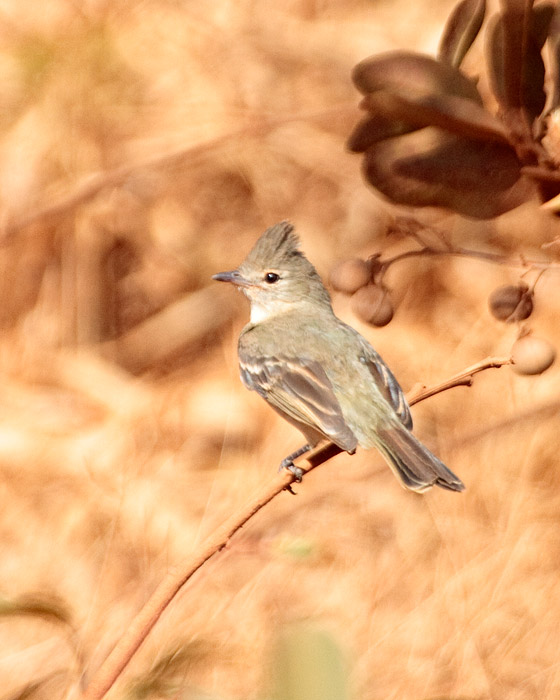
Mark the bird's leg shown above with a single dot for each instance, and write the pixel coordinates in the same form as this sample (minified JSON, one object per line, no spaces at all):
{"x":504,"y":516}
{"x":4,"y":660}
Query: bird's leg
{"x":288,"y":462}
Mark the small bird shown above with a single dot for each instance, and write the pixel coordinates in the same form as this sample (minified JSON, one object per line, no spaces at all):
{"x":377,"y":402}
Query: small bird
{"x":317,"y":372}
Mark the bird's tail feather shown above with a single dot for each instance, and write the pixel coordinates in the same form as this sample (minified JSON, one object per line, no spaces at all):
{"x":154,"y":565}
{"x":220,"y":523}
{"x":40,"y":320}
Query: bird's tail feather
{"x":415,"y":466}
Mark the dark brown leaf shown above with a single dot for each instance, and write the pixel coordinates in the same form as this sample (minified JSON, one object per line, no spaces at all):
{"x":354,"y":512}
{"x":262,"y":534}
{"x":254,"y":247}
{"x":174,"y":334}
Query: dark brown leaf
{"x":454,"y":114}
{"x":515,"y":20}
{"x":375,"y":128}
{"x":404,"y":72}
{"x":495,"y":58}
{"x":541,"y":20}
{"x":431,"y":168}
{"x":460,"y":31}
{"x":554,"y":45}
{"x":533,"y":94}
{"x":516,"y":67}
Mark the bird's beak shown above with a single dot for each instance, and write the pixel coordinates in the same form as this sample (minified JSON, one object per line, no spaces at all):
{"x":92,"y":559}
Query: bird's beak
{"x":233,"y":276}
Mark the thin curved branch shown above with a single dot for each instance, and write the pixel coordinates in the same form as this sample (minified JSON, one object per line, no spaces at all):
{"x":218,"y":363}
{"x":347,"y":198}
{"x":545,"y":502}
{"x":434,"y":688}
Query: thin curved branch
{"x":464,"y":378}
{"x":495,"y":258}
{"x":140,"y":627}
{"x":412,"y":227}
{"x":174,"y":580}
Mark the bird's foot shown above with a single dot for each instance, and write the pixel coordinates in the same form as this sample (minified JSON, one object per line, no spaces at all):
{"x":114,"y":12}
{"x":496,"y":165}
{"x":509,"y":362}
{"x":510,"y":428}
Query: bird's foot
{"x":289,"y":465}
{"x":288,"y":462}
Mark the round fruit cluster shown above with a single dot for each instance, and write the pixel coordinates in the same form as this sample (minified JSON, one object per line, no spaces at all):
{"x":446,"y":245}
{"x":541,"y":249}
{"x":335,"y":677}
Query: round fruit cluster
{"x":514,"y":302}
{"x":371,"y":301}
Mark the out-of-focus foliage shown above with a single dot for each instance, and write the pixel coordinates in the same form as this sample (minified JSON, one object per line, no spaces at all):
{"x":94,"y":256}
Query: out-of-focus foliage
{"x":307,"y":664}
{"x":167,"y":677}
{"x":427,"y":137}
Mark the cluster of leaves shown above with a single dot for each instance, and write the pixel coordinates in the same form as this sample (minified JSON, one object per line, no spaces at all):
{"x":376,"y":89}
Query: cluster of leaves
{"x":428,"y":139}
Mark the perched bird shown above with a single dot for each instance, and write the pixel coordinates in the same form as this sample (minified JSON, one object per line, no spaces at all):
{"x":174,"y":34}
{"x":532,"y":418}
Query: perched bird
{"x":320,"y":374}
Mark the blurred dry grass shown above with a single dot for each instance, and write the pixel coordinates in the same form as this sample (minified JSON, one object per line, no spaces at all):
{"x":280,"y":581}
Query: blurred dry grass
{"x":144,"y":146}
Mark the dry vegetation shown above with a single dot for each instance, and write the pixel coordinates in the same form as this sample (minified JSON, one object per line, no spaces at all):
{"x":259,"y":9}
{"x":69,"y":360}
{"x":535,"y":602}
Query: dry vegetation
{"x":144,"y":146}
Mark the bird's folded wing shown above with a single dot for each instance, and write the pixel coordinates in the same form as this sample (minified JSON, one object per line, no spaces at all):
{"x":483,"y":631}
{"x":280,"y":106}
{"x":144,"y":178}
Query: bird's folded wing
{"x":387,"y":384}
{"x":300,"y":389}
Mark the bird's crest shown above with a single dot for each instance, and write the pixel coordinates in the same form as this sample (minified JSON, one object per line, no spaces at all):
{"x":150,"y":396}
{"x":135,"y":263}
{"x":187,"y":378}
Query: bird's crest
{"x":277,"y":245}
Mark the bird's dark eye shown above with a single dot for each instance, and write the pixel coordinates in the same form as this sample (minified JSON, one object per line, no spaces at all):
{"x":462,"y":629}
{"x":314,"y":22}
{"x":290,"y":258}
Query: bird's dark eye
{"x":271,"y":277}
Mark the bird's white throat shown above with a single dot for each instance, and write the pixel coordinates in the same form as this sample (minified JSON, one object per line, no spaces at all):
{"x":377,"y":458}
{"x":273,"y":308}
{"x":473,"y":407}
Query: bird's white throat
{"x":260,"y":313}
{"x":271,"y":309}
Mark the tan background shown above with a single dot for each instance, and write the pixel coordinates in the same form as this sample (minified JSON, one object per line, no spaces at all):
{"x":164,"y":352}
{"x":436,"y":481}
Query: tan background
{"x":145,"y":146}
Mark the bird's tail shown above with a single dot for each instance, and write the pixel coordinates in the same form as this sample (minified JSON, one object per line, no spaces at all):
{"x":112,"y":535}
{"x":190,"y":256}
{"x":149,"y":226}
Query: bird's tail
{"x":415,"y":466}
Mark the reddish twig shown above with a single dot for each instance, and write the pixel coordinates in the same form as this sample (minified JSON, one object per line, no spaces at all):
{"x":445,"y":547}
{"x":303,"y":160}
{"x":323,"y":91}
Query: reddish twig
{"x":464,"y":378}
{"x":176,"y":578}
